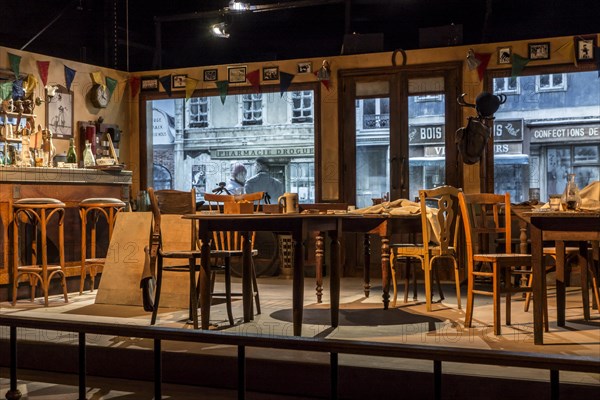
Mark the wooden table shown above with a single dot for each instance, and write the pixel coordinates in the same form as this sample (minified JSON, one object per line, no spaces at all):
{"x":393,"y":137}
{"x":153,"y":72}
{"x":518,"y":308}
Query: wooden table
{"x":580,"y":227}
{"x":384,"y":226}
{"x":298,"y":225}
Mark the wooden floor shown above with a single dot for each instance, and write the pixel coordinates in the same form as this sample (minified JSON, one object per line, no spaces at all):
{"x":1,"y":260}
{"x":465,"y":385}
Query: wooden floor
{"x":361,"y":318}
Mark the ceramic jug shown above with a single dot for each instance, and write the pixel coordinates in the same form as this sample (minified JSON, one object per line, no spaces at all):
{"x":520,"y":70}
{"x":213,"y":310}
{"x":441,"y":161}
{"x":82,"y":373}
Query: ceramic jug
{"x":289,"y":203}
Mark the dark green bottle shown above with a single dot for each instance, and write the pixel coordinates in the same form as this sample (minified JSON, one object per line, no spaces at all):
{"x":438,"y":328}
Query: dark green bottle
{"x":71,"y":155}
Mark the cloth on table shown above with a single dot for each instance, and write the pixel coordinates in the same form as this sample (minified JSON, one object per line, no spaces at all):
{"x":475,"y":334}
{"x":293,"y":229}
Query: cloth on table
{"x":590,"y":197}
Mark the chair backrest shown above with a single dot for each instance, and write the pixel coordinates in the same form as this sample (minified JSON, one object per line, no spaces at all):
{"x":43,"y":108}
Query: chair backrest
{"x":443,"y":220}
{"x":486,"y":216}
{"x":231,"y":241}
{"x":170,"y":202}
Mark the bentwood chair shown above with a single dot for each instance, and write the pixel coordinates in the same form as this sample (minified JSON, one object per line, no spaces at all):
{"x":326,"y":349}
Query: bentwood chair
{"x":440,"y":232}
{"x":228,"y":245}
{"x":179,"y":203}
{"x":486,"y":218}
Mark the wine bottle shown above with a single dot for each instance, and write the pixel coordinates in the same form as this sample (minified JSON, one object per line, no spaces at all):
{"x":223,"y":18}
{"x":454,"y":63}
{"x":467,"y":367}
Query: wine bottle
{"x":71,"y":155}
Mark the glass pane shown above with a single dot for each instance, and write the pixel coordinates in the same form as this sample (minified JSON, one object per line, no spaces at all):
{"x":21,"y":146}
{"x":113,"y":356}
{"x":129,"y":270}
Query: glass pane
{"x":426,"y":141}
{"x":558,"y":166}
{"x":372,"y":150}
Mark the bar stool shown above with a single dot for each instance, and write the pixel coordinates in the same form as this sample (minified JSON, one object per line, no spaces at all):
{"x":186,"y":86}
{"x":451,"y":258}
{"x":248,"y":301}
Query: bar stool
{"x":38,"y":212}
{"x":90,"y":211}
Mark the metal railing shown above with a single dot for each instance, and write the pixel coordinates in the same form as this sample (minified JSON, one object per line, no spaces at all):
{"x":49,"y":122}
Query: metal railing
{"x":437,"y":354}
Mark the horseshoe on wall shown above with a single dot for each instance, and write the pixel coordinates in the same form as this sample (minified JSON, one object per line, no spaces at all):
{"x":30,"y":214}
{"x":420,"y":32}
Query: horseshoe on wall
{"x":395,"y":53}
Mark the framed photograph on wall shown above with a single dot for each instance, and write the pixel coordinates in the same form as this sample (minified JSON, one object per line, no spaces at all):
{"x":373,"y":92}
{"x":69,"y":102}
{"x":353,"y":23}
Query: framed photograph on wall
{"x":149,"y":83}
{"x":304,"y":67}
{"x":505,"y":55}
{"x":178,"y":81}
{"x":270,"y":73}
{"x":59,"y":113}
{"x":236,"y":74}
{"x":539,"y":51}
{"x":585,"y":47}
{"x":211,"y":75}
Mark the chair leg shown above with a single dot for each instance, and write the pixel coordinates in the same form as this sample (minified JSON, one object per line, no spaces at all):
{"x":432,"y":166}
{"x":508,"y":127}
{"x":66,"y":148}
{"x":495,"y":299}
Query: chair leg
{"x":507,"y":289}
{"x":406,"y":279}
{"x":496,"y":297}
{"x":436,"y":273}
{"x":193,"y":297}
{"x":428,"y":276}
{"x":528,"y":294}
{"x":228,"y":290}
{"x":159,"y":273}
{"x":470,"y":297}
{"x":255,"y":288}
{"x":457,"y":283}
{"x":393,"y":262}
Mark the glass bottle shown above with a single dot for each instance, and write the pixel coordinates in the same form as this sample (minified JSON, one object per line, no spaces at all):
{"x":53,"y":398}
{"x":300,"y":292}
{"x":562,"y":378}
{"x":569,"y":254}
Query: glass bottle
{"x":571,"y":197}
{"x":71,"y":154}
{"x":88,"y":156}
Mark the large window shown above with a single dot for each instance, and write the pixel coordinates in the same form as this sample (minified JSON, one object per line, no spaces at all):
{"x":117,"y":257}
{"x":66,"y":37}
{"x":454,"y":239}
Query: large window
{"x":208,"y":144}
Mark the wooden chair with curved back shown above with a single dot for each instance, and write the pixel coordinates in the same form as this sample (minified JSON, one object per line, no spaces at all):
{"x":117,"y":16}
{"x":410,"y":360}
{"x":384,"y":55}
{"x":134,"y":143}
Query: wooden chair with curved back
{"x":227,"y":245}
{"x":179,"y":203}
{"x":486,"y":217}
{"x":438,"y":243}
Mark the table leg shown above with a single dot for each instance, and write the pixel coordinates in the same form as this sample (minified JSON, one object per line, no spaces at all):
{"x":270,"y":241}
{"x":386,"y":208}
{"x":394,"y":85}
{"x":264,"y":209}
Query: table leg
{"x":334,"y":279}
{"x":298,"y":282}
{"x":205,"y":283}
{"x":560,"y":282}
{"x":367,"y":269}
{"x":539,"y":280}
{"x":583,"y":268}
{"x":247,"y":290}
{"x":385,"y":270}
{"x":320,"y":245}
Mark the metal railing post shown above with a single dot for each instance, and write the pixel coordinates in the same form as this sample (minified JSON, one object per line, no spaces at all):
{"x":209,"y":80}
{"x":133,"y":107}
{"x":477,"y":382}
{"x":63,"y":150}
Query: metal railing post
{"x":554,"y":384}
{"x":82,"y":371}
{"x":241,"y":372}
{"x":334,"y":371}
{"x":437,"y":379}
{"x":13,"y":393}
{"x":157,"y":370}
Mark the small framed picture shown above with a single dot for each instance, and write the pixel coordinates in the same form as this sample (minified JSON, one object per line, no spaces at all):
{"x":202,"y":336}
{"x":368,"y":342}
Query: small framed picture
{"x":236,"y":74}
{"x":539,"y":51}
{"x":584,"y":48}
{"x":149,"y":83}
{"x":179,"y":81}
{"x":211,"y":75}
{"x":304,"y":67}
{"x":270,"y":73}
{"x":505,"y":55}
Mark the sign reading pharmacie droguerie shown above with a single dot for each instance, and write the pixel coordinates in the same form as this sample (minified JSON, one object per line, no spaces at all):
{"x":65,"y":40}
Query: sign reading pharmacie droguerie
{"x":564,"y":133}
{"x":275,"y":152}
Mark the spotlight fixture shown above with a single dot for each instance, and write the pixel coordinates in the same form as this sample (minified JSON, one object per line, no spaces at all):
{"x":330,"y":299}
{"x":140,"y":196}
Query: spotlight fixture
{"x":220,"y":30}
{"x":472,"y":61}
{"x":238,"y":6}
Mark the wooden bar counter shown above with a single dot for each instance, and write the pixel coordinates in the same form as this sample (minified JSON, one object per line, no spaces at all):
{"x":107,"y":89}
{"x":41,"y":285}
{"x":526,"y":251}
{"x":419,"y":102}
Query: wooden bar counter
{"x":68,"y":185}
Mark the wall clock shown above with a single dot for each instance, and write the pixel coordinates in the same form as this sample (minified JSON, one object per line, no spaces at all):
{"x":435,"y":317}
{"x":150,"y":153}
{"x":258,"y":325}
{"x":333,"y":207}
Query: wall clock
{"x":99,"y":96}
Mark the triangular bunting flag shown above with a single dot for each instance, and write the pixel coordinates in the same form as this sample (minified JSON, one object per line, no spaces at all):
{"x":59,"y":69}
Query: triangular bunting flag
{"x":567,"y":48}
{"x":518,"y":64}
{"x":6,"y":90}
{"x":254,"y":79}
{"x":134,"y":85}
{"x":190,"y":86}
{"x":165,"y":81}
{"x":15,"y":62}
{"x":111,"y":84}
{"x":321,"y":78}
{"x":17,"y":89}
{"x":484,"y":59}
{"x":97,"y":78}
{"x":69,"y":77}
{"x":29,"y":85}
{"x":222,"y":87}
{"x":285,"y":80}
{"x":43,"y":70}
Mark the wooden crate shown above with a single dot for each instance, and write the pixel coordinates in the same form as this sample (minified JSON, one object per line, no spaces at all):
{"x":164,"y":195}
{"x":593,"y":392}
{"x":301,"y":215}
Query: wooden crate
{"x":238,"y":208}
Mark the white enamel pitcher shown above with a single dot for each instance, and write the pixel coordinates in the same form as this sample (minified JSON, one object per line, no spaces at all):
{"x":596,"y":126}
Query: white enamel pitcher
{"x":289,"y":203}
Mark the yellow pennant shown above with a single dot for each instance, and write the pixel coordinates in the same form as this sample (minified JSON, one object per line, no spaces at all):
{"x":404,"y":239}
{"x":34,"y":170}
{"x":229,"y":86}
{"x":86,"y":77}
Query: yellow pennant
{"x":190,"y":86}
{"x":97,"y":78}
{"x":29,"y":85}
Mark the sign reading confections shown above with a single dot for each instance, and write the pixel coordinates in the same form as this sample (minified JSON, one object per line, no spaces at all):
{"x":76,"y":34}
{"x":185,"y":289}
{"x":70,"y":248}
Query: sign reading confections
{"x":563,"y":133}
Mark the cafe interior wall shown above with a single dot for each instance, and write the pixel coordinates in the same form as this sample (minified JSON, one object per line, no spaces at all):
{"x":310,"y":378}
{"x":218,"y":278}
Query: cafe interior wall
{"x":124,"y":111}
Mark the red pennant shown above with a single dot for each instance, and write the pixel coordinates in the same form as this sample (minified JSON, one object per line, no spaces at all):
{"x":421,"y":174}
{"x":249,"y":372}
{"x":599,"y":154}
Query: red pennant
{"x":484,"y":59}
{"x":43,"y":70}
{"x":325,"y":82}
{"x":254,"y":79}
{"x":134,"y":83}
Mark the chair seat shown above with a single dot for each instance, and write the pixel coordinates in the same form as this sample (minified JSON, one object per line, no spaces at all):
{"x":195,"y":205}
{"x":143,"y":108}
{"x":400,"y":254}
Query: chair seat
{"x":102,"y":200}
{"x":503,"y":257}
{"x":39,"y":200}
{"x":181,"y":254}
{"x":231,"y":253}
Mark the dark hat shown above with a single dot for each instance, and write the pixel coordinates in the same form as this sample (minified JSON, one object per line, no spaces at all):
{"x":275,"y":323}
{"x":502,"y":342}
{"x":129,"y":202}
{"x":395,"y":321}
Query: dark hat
{"x":262,"y":161}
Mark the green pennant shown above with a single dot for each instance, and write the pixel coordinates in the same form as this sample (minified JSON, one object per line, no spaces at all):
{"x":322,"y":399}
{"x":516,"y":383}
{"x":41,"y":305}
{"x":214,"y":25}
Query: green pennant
{"x":111,"y":84}
{"x":518,"y":64}
{"x":6,"y":90}
{"x":222,"y":87}
{"x":15,"y":62}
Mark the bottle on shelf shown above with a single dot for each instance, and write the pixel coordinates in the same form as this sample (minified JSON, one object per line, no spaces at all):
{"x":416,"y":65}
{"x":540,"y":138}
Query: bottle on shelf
{"x":71,"y":154}
{"x":88,"y":155}
{"x":571,"y":197}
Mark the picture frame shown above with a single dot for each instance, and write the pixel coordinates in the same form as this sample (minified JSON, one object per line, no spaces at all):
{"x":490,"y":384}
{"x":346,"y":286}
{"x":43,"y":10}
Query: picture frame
{"x":236,"y":74}
{"x":178,"y":81}
{"x":584,"y":48}
{"x":211,"y":75}
{"x":504,"y":55}
{"x":270,"y":73}
{"x":149,"y":83}
{"x":304,"y":67}
{"x":539,"y":51}
{"x":59,"y":113}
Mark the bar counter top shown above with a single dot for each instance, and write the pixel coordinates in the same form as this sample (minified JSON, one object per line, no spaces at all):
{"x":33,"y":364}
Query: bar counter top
{"x":65,"y":175}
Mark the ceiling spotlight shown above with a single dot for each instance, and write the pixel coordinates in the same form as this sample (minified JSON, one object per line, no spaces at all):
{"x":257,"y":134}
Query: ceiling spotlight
{"x":235,"y":5}
{"x":220,"y":30}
